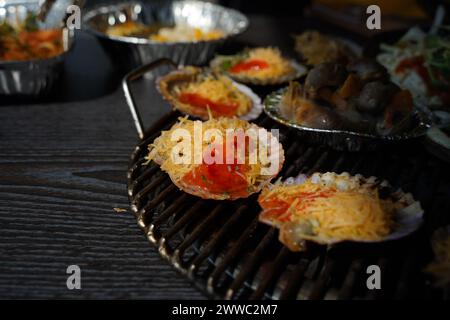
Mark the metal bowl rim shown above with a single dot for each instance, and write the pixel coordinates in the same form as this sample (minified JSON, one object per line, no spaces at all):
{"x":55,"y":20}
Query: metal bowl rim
{"x":61,"y":56}
{"x":103,"y":9}
{"x":425,"y":123}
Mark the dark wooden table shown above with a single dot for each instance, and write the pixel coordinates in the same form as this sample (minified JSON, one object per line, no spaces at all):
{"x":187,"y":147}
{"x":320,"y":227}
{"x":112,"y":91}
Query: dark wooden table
{"x":62,"y":171}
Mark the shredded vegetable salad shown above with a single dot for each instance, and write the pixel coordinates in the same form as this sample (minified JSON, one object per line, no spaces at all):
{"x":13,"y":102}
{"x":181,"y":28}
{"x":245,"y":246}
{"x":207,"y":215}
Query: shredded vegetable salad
{"x":420,"y":62}
{"x":27,"y":42}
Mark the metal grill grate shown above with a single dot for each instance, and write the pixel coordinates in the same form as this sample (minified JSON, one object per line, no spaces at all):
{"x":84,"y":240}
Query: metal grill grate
{"x":223,"y":250}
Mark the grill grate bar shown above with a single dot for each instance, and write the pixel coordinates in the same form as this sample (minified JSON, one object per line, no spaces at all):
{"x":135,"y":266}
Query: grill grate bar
{"x":358,"y":164}
{"x":217,"y":239}
{"x":179,"y":203}
{"x":270,"y":277}
{"x":142,"y":177}
{"x":160,"y":197}
{"x":353,"y":275}
{"x":149,"y":188}
{"x":320,"y":286}
{"x":134,"y":169}
{"x":296,"y":147}
{"x":296,"y":279}
{"x":339,"y":163}
{"x":180,"y":224}
{"x":199,"y":230}
{"x":319,"y":163}
{"x":251,"y":264}
{"x":295,"y":167}
{"x":231,"y":256}
{"x":153,"y":232}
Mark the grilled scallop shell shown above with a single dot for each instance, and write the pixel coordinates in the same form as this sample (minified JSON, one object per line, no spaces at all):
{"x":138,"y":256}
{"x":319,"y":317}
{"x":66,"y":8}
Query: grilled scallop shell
{"x":298,"y":71}
{"x":276,"y":152}
{"x":170,"y":84}
{"x":406,"y":220}
{"x":205,"y":194}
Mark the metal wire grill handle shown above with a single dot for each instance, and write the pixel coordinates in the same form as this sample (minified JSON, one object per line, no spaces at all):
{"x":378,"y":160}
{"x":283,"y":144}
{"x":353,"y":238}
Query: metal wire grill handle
{"x":135,"y":75}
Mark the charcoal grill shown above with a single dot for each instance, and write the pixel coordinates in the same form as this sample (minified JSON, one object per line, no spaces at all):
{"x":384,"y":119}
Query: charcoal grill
{"x":225,"y":252}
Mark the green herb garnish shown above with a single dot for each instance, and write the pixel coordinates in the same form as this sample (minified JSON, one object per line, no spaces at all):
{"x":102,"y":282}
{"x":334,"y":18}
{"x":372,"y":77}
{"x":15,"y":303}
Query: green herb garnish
{"x":31,"y":23}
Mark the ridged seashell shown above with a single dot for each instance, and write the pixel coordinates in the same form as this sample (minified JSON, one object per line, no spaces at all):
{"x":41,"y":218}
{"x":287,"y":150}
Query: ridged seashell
{"x":298,"y":71}
{"x":406,"y":220}
{"x":170,"y":85}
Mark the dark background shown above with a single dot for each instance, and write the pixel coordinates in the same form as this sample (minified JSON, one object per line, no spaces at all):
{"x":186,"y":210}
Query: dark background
{"x":278,"y":8}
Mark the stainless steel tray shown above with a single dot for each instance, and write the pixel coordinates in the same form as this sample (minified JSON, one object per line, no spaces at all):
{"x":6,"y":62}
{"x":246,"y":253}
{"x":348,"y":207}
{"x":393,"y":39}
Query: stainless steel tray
{"x":32,"y":77}
{"x":138,"y":51}
{"x":342,"y":139}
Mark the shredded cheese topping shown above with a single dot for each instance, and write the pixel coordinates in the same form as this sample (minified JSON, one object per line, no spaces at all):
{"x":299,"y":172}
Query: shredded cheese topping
{"x":125,"y":29}
{"x":339,"y":208}
{"x":317,"y":48}
{"x":181,"y":33}
{"x":218,"y":89}
{"x":178,"y":33}
{"x":161,"y":150}
{"x":278,"y":65}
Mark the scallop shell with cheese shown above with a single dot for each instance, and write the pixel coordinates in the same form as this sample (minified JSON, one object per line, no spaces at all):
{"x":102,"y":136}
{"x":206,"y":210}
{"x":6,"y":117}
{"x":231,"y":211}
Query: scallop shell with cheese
{"x":259,"y":66}
{"x":196,"y":156}
{"x":328,"y":208}
{"x":198,"y":91}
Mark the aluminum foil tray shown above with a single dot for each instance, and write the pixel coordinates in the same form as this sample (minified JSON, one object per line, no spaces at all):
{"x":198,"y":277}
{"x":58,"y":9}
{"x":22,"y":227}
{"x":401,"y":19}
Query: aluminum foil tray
{"x":134,"y":51}
{"x":33,"y":77}
{"x":342,"y":139}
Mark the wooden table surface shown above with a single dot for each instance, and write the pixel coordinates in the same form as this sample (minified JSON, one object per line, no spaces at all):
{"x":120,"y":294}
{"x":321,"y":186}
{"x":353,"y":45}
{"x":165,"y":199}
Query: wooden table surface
{"x":62,"y":171}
